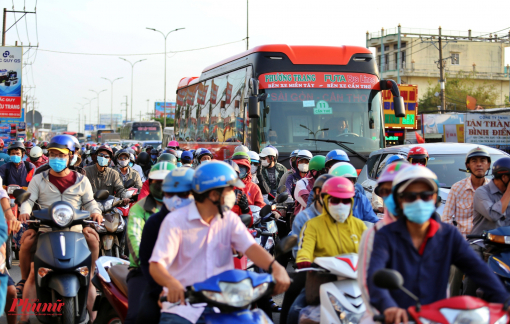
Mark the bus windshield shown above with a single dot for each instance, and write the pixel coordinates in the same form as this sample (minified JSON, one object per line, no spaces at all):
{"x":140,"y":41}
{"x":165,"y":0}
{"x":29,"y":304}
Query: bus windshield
{"x":292,"y":116}
{"x":146,"y":133}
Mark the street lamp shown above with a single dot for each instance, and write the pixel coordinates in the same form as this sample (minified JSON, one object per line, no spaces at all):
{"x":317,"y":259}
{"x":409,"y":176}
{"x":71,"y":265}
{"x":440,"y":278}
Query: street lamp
{"x":111,"y":112}
{"x":79,"y":115}
{"x":90,"y":111}
{"x":165,"y":36}
{"x":132,"y":68}
{"x":97,"y":94}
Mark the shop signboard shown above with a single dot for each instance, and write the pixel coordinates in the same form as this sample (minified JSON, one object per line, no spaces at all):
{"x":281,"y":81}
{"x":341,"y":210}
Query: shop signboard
{"x":410,"y":95}
{"x":10,"y":82}
{"x":433,"y":123}
{"x":487,"y":129}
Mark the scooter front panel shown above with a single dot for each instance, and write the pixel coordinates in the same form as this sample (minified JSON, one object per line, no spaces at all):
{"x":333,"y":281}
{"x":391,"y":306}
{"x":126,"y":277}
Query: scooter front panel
{"x":243,"y":316}
{"x":336,"y":290}
{"x":345,"y":265}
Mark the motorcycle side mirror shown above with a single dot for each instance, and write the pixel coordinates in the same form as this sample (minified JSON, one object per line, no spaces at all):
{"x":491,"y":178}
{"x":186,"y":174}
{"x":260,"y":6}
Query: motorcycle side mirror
{"x":285,"y":245}
{"x":101,"y":194}
{"x":21,"y":196}
{"x":265,"y":211}
{"x":129,"y":183}
{"x":246,"y":219}
{"x":388,"y":279}
{"x":281,"y":189}
{"x":281,"y":198}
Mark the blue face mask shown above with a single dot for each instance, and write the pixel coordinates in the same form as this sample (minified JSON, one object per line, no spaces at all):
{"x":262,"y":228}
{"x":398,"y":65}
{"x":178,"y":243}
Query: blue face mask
{"x":179,"y":164}
{"x":131,"y":164}
{"x":102,"y":161}
{"x":15,"y":158}
{"x":58,"y":164}
{"x":389,"y":203}
{"x":154,"y":156}
{"x":419,"y":211}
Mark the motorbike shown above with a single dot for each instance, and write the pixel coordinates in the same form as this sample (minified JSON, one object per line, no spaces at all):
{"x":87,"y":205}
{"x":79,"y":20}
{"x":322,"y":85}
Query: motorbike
{"x":62,"y":263}
{"x":12,"y":245}
{"x":132,"y":194}
{"x":460,"y":309}
{"x":340,"y":299}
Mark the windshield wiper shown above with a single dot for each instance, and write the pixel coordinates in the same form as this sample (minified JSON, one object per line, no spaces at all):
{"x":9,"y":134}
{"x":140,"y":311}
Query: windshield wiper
{"x":341,"y":144}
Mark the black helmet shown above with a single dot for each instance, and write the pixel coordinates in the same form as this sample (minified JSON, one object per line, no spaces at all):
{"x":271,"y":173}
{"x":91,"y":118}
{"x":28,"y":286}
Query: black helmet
{"x":143,"y":158}
{"x":501,"y":167}
{"x":478,"y":151}
{"x":320,"y":180}
{"x":170,"y":151}
{"x":123,"y":151}
{"x":16,"y":145}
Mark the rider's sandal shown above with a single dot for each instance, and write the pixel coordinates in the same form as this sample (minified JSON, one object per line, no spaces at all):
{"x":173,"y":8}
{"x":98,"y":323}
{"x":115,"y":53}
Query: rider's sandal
{"x":19,"y":288}
{"x":275,"y":308}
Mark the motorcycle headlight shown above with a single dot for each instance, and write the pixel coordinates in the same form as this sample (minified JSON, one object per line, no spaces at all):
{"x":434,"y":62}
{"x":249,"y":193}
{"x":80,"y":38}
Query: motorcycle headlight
{"x":238,"y":294}
{"x":63,"y":215}
{"x":342,"y":313}
{"x":84,"y":271}
{"x":472,"y":316}
{"x":11,"y":188}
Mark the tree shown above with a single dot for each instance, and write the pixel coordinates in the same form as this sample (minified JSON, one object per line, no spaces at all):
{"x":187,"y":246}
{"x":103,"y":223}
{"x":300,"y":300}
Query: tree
{"x":458,"y":87}
{"x":169,"y":121}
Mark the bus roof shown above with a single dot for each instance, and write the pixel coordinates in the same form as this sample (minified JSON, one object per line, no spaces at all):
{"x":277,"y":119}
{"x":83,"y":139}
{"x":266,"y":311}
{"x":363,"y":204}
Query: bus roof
{"x":299,"y":54}
{"x":186,"y":81}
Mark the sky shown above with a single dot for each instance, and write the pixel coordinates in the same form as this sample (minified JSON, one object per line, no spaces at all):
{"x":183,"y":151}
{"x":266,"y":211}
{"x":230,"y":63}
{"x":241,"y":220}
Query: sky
{"x":63,"y":81}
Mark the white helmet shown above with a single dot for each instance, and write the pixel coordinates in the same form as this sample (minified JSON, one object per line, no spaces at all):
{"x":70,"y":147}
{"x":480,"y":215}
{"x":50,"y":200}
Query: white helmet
{"x":268,"y":151}
{"x":179,"y":153}
{"x":412,"y":174}
{"x":241,"y":148}
{"x":304,"y":154}
{"x":254,"y":157}
{"x":36,"y":152}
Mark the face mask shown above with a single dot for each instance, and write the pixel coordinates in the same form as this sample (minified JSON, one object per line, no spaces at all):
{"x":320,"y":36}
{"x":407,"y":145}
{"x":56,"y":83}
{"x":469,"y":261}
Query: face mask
{"x":179,"y":164}
{"x":131,"y":164}
{"x":15,"y":158}
{"x":75,"y":158}
{"x":389,"y":203}
{"x":340,"y":212}
{"x":58,"y":164}
{"x":243,"y":172}
{"x":123,"y":163}
{"x":102,"y":161}
{"x":264,"y":163}
{"x":253,"y":169}
{"x":154,"y":156}
{"x":172,"y":203}
{"x":229,"y":201}
{"x":419,"y":211}
{"x":156,"y":192}
{"x":205,"y":161}
{"x":303,"y":167}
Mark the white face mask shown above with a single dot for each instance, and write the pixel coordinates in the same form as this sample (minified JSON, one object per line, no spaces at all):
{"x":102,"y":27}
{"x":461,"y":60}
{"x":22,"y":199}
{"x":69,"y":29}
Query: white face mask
{"x":340,"y":212}
{"x":264,"y":163}
{"x":253,"y":169}
{"x":73,"y":161}
{"x":172,"y":203}
{"x":303,"y":167}
{"x":123,"y":163}
{"x":229,"y":200}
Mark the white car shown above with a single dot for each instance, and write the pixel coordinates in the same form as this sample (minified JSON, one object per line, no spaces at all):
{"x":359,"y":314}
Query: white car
{"x":445,"y":159}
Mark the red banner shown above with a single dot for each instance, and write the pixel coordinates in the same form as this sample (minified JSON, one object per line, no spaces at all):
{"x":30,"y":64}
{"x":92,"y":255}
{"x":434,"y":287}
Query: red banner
{"x":214,"y":92}
{"x":190,"y":98}
{"x":202,"y":93}
{"x":10,"y":107}
{"x":181,"y":95}
{"x":228,"y":94}
{"x":320,"y":80}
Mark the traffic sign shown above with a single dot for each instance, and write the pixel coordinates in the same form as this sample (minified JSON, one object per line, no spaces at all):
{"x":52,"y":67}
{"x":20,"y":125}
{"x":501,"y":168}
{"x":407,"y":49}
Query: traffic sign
{"x":89,"y":127}
{"x":100,"y":126}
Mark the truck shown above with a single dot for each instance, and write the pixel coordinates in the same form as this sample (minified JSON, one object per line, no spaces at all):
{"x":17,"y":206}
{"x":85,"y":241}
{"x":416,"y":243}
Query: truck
{"x":110,"y":137}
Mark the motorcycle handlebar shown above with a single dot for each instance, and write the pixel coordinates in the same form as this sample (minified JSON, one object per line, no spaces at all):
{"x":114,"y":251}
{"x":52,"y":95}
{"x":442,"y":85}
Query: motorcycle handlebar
{"x":474,"y":236}
{"x":379,"y":318}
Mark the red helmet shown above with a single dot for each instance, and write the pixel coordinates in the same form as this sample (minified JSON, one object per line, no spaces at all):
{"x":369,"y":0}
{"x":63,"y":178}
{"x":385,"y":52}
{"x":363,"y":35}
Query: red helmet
{"x":105,"y":148}
{"x":2,"y":142}
{"x":418,"y":153}
{"x":29,"y":145}
{"x":338,"y":187}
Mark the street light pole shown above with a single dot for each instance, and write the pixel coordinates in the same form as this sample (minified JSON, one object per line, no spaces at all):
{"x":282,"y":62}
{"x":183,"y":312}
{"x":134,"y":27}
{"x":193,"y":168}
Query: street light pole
{"x":132,"y":68}
{"x":97,"y":94}
{"x":165,"y":36}
{"x":111,"y":111}
{"x":90,"y":111}
{"x":79,"y":116}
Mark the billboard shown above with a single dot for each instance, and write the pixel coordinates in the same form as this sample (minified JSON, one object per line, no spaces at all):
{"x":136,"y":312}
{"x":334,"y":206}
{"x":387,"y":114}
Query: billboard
{"x":10,"y":82}
{"x":487,"y":129}
{"x":89,"y":127}
{"x":170,"y":109}
{"x":13,"y":120}
{"x":58,"y":128}
{"x":101,"y":126}
{"x":410,"y":95}
{"x":106,"y":119}
{"x":433,"y":123}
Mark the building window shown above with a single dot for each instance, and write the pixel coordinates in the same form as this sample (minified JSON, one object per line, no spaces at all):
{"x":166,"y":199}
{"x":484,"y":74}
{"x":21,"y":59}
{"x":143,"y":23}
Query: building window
{"x":455,"y":59}
{"x":403,"y":45}
{"x":386,"y":48}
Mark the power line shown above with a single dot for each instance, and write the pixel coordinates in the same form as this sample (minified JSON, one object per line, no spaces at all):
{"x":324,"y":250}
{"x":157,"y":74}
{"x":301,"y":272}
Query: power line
{"x":19,"y":38}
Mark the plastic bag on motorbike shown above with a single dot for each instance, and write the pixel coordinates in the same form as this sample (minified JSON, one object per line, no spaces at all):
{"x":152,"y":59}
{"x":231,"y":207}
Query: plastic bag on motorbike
{"x":310,"y":315}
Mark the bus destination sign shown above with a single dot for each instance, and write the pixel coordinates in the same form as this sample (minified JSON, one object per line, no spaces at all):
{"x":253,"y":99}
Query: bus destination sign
{"x":318,"y":80}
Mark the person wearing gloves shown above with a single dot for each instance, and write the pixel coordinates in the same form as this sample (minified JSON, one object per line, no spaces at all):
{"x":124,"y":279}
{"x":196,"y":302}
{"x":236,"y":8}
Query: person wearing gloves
{"x":305,"y":185}
{"x":251,"y":190}
{"x":335,"y":231}
{"x":303,"y":158}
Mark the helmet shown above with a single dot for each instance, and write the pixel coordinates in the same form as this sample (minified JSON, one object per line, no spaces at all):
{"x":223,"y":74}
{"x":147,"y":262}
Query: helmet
{"x":320,"y":180}
{"x":16,"y":145}
{"x":233,"y":165}
{"x":160,"y":170}
{"x":344,"y":169}
{"x":132,"y":158}
{"x":105,"y":148}
{"x":29,"y":145}
{"x":178,"y":180}
{"x":130,"y":150}
{"x":394,"y":158}
{"x":114,"y":150}
{"x":415,"y":172}
{"x":338,"y":187}
{"x":317,"y":163}
{"x":170,"y":151}
{"x":254,"y":157}
{"x":2,"y":142}
{"x":179,"y":153}
{"x":36,"y":153}
{"x":62,"y":142}
{"x":203,"y":152}
{"x":143,"y":158}
{"x":186,"y":157}
{"x":215,"y":175}
{"x":168,"y":158}
{"x":304,"y":155}
{"x":120,"y":152}
{"x":173,"y":144}
{"x":478,"y":151}
{"x":417,"y":153}
{"x":501,"y":167}
{"x":337,"y":156}
{"x":241,"y":148}
{"x":44,"y":144}
{"x":294,"y":153}
{"x":268,"y":151}
{"x":274,"y":148}
{"x":390,"y":172}
{"x":149,"y":147}
{"x":241,"y":156}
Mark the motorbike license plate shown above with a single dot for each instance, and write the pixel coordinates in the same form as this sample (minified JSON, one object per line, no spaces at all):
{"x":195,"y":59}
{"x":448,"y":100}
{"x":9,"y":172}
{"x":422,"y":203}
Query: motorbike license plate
{"x":271,"y":227}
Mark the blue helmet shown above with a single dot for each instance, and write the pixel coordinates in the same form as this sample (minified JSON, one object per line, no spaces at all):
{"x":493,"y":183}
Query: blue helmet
{"x":201,"y":153}
{"x":215,"y":175}
{"x":62,"y":142}
{"x":178,"y":180}
{"x":338,"y":156}
{"x":395,"y":158}
{"x":187,"y":157}
{"x":294,"y":153}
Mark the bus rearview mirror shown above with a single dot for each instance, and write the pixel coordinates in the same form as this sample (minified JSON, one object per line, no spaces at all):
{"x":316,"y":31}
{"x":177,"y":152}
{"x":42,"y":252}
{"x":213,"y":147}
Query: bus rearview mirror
{"x":399,"y":107}
{"x":253,"y":107}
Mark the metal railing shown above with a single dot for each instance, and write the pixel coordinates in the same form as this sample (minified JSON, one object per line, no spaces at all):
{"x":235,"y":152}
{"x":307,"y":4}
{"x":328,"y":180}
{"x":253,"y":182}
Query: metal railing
{"x":428,"y":31}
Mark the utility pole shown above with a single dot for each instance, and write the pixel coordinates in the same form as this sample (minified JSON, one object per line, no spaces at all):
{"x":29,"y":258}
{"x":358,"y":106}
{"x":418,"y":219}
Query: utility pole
{"x":97,"y":94}
{"x":382,"y":53}
{"x":398,"y":56}
{"x":126,"y":103}
{"x":111,"y":111}
{"x":247,"y":16}
{"x":441,"y":73}
{"x":4,"y":26}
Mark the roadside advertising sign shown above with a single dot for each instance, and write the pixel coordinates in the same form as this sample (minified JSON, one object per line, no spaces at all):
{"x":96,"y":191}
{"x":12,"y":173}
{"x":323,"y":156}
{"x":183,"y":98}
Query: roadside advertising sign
{"x":170,"y":109}
{"x":433,"y":123}
{"x":487,"y":129}
{"x":410,"y":95}
{"x":453,"y":133}
{"x":10,"y":82}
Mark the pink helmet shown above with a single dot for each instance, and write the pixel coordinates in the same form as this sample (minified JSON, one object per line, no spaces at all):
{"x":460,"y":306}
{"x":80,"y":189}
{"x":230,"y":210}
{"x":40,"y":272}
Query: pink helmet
{"x":338,"y":187}
{"x":173,"y":144}
{"x":391,"y":170}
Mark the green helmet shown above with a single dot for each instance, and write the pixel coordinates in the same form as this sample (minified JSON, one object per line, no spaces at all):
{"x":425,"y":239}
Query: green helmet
{"x":168,"y":158}
{"x":160,"y":170}
{"x":317,"y":163}
{"x":343,"y":169}
{"x":241,"y":156}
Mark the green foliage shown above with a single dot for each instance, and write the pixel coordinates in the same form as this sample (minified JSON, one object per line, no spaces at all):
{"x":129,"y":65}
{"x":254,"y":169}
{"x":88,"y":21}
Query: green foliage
{"x":458,"y":87}
{"x":169,"y":121}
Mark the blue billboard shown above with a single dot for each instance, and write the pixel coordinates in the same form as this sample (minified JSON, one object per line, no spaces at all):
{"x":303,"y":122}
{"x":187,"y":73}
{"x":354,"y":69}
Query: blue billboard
{"x":100,"y":126}
{"x":89,"y":127}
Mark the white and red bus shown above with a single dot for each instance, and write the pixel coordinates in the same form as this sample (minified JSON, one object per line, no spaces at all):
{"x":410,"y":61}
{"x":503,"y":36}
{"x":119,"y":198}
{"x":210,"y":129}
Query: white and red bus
{"x":284,"y":96}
